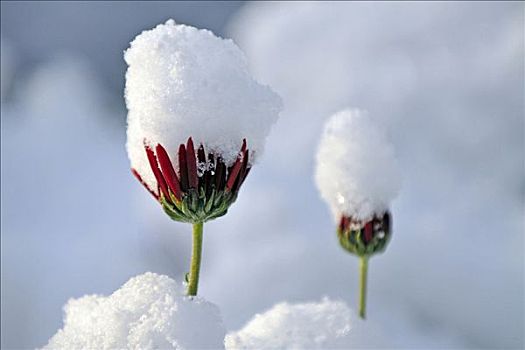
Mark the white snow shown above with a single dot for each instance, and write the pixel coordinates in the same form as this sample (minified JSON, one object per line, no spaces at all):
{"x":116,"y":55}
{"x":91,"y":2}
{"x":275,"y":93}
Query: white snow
{"x":182,"y":82}
{"x":356,"y":173}
{"x":150,"y":311}
{"x":326,"y":324}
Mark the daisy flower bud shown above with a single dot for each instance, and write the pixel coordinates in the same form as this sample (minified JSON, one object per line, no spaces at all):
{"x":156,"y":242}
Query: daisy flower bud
{"x":364,"y":239}
{"x":357,"y":174}
{"x":197,"y":120}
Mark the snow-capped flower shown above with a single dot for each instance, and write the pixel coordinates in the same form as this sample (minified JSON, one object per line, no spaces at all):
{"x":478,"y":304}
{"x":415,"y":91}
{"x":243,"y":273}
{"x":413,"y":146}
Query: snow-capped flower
{"x":197,"y":119}
{"x":357,"y":174}
{"x":197,"y":122}
{"x":184,"y":82}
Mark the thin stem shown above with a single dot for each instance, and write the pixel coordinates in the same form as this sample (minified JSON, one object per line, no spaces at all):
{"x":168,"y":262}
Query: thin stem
{"x":363,"y":271}
{"x":196,"y":253}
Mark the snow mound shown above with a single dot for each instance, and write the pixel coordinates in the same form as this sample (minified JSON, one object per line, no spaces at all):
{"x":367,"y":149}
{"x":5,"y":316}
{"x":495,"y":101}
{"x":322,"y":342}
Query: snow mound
{"x":323,"y":325}
{"x":150,"y":311}
{"x":357,"y":173}
{"x":182,"y":82}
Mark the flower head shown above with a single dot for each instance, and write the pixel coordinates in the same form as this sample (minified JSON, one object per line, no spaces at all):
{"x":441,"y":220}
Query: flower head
{"x":364,"y":238}
{"x":202,"y":189}
{"x":357,"y":174}
{"x":197,"y":120}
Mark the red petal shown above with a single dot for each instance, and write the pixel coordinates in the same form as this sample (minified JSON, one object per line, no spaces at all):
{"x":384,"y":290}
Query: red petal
{"x":368,"y":231}
{"x":236,"y":167}
{"x":137,"y":175}
{"x":183,"y":168}
{"x":219,"y":174}
{"x":192,"y":164}
{"x":168,"y":171}
{"x":387,"y":222}
{"x":243,"y":172}
{"x":201,"y":155}
{"x":156,"y":171}
{"x":346,"y":221}
{"x":233,"y":174}
{"x":245,"y":176}
{"x":342,"y":223}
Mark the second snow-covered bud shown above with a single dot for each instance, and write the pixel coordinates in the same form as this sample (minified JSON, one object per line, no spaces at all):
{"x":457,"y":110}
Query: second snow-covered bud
{"x":357,"y":174}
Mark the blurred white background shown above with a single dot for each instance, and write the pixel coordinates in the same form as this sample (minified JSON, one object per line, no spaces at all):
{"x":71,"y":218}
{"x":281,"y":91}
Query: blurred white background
{"x":446,"y":79}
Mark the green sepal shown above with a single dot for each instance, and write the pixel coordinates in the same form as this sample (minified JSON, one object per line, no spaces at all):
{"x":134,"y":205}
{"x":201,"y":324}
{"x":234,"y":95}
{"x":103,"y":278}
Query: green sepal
{"x":353,"y":242}
{"x":209,"y":203}
{"x":195,"y":207}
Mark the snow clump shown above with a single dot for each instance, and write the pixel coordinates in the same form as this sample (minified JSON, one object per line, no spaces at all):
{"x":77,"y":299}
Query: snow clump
{"x":357,"y":173}
{"x":150,"y":311}
{"x":184,"y":82}
{"x":314,"y":325}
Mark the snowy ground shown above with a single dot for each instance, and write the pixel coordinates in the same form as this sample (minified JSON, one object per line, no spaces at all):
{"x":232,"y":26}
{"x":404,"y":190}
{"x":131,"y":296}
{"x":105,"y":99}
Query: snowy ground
{"x":152,"y":311}
{"x":149,"y":311}
{"x":446,"y":79}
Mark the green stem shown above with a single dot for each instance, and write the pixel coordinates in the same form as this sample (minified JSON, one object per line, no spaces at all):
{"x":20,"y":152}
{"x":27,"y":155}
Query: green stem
{"x":363,"y":271}
{"x":196,"y":254}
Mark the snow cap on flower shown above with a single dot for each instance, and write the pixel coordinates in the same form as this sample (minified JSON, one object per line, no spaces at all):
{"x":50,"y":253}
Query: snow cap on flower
{"x":357,"y":173}
{"x":184,"y":82}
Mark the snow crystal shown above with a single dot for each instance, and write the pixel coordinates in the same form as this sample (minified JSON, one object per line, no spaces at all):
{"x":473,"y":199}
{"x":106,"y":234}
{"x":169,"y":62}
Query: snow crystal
{"x":357,"y":173}
{"x":150,"y":311}
{"x":182,"y":82}
{"x":324,"y":325}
